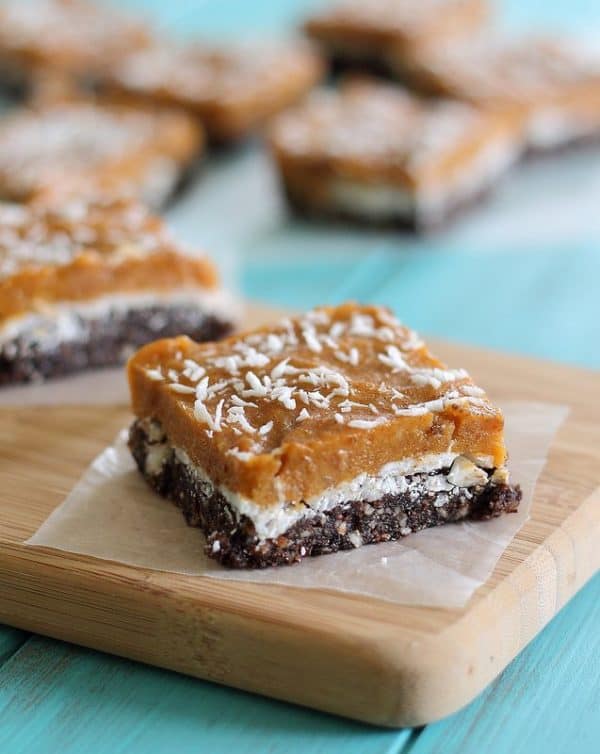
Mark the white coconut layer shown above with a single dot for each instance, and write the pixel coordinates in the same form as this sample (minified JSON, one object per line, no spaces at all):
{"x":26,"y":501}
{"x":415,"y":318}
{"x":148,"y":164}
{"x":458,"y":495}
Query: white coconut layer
{"x":386,"y":202}
{"x":66,"y":321}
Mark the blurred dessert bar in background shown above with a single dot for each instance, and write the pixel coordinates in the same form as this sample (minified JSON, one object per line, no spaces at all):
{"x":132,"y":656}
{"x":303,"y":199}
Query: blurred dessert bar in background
{"x":75,"y":146}
{"x":85,"y":282}
{"x":374,"y":152}
{"x":232,"y":89}
{"x":76,"y":37}
{"x":376,"y":32}
{"x":552,"y":82}
{"x":320,"y":433}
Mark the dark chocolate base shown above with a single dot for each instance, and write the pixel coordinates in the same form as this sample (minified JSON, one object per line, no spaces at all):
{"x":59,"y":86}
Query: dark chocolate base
{"x":343,"y":66}
{"x":14,"y":83}
{"x":104,"y":342}
{"x":233,"y":542}
{"x":410,"y":224}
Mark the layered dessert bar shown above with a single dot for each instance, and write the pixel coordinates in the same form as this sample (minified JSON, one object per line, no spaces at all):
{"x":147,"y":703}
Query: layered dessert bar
{"x":85,"y":283}
{"x":374,"y":152}
{"x":78,"y":146}
{"x":377,"y":33}
{"x":75,"y":38}
{"x":325,"y":432}
{"x":552,"y":83}
{"x":233,"y":89}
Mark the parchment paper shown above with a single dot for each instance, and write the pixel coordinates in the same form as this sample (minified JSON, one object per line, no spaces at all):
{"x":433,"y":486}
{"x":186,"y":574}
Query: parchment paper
{"x":112,"y":514}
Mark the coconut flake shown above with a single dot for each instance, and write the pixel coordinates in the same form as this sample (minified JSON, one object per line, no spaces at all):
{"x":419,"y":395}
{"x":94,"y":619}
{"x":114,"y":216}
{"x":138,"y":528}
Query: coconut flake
{"x":393,"y":359}
{"x":311,"y":340}
{"x":337,"y":329}
{"x":472,"y":390}
{"x":219,"y":414}
{"x":237,"y":401}
{"x":241,"y":455}
{"x":366,"y":423}
{"x":275,"y":343}
{"x":202,"y":389}
{"x":193,"y":371}
{"x":362,"y":325}
{"x":178,"y":388}
{"x":202,"y":414}
{"x":236,"y":415}
{"x":155,"y":375}
{"x":257,"y":388}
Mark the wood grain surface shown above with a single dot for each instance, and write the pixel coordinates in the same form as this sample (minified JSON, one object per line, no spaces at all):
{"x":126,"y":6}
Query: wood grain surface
{"x":373,"y":661}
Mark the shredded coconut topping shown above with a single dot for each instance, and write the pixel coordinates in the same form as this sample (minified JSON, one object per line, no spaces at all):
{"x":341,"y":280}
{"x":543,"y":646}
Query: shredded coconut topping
{"x":42,"y":234}
{"x":513,"y":68}
{"x":271,"y":381}
{"x":84,"y":33}
{"x":201,"y":75}
{"x":378,"y":123}
{"x":76,"y":144}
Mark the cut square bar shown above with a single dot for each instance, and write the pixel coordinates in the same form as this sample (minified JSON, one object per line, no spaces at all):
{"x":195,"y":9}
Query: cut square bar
{"x":377,"y":33}
{"x":74,"y":38}
{"x":324,"y":432}
{"x":551,"y":83}
{"x":375,"y":153}
{"x":86,"y":282}
{"x":73,"y":147}
{"x":232,"y":89}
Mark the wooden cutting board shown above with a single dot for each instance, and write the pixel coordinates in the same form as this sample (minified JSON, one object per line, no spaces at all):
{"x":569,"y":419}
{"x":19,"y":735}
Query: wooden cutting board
{"x":382,"y":663}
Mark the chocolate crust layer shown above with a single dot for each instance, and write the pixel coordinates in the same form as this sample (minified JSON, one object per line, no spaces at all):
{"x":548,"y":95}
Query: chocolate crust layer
{"x":232,"y":539}
{"x":411,"y":223}
{"x":103,"y":342}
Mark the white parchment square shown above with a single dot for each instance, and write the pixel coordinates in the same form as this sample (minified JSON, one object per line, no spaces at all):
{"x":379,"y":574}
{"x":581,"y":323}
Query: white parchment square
{"x":112,"y":514}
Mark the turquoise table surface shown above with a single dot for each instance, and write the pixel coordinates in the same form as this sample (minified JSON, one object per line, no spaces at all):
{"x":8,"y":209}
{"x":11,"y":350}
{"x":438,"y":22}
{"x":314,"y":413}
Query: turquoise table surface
{"x":530,"y":261}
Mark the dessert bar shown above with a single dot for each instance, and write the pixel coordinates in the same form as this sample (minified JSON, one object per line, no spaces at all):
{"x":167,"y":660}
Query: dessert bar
{"x":231,"y":89}
{"x":552,"y":83}
{"x":86,"y":282}
{"x":74,"y":146}
{"x":75,"y":38}
{"x":374,"y":152}
{"x":377,"y":33}
{"x":329,"y":431}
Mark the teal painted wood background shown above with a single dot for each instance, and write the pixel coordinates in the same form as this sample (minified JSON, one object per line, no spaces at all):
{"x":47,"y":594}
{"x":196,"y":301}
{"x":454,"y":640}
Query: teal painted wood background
{"x":530,"y":261}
